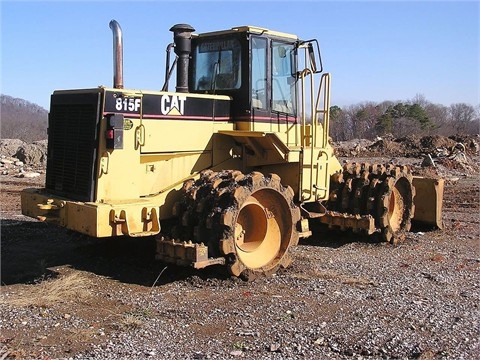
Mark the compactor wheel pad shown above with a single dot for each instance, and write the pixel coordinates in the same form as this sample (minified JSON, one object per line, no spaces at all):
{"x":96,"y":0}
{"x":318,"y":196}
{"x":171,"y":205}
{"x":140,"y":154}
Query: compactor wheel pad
{"x":249,"y":219}
{"x":383,"y":191}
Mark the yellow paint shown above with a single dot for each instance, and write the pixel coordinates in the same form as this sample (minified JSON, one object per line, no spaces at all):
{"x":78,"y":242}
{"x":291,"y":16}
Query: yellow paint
{"x":137,"y":186}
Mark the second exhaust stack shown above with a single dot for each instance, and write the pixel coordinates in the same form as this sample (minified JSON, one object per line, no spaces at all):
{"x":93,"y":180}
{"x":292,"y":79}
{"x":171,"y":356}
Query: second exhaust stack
{"x":182,"y":36}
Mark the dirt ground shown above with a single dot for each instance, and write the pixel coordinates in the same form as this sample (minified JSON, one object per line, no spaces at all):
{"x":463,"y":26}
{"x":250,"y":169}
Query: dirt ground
{"x":68,"y":296}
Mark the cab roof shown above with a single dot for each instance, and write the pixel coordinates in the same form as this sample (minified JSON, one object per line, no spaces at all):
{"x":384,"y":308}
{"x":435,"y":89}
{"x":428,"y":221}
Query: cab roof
{"x":252,"y":30}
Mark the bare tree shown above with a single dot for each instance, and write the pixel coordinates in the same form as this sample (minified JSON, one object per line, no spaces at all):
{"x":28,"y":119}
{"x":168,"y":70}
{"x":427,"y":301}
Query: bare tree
{"x":22,"y":120}
{"x":464,"y":118}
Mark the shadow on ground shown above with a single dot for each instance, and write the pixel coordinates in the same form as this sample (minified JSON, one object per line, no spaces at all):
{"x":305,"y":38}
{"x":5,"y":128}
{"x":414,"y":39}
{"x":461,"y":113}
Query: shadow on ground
{"x":32,"y":250}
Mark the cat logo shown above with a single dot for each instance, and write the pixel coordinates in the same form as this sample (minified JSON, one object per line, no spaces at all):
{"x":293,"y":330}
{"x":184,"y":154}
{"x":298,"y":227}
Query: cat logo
{"x":172,"y":105}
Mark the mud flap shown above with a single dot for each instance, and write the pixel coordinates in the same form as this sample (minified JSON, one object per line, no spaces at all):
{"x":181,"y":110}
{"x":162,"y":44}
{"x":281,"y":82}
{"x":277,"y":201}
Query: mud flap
{"x":428,"y":201}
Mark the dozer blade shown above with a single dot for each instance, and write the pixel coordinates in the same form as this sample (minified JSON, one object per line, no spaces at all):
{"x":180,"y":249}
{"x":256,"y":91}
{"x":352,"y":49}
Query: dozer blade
{"x":428,"y":201}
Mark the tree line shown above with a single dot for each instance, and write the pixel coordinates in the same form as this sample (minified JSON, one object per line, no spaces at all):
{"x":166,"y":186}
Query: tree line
{"x":414,"y":117}
{"x":21,"y":119}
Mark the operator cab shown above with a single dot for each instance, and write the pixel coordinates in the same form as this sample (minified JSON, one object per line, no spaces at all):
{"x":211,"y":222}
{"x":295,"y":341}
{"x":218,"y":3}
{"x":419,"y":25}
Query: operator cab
{"x":255,"y":66}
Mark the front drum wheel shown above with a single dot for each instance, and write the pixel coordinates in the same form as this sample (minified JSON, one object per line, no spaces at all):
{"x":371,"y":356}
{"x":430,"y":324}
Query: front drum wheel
{"x":260,"y":226}
{"x":384,"y":192}
{"x":395,"y":206}
{"x":248,"y":219}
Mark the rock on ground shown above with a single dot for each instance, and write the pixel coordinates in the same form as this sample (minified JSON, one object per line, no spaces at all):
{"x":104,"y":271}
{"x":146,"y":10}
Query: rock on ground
{"x":9,"y":147}
{"x":35,"y":153}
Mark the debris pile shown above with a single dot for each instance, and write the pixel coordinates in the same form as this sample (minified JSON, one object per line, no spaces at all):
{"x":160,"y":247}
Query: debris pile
{"x":21,"y":159}
{"x":454,"y":158}
{"x":408,"y":146}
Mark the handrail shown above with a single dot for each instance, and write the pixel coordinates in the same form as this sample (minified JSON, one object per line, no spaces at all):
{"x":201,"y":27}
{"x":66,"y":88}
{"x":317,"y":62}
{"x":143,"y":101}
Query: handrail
{"x":303,"y":74}
{"x":325,"y":89}
{"x":322,"y":96}
{"x":314,"y":124}
{"x":319,"y":104}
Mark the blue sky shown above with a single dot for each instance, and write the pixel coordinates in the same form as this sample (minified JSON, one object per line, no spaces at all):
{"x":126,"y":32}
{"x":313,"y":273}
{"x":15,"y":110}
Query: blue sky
{"x":375,"y":50}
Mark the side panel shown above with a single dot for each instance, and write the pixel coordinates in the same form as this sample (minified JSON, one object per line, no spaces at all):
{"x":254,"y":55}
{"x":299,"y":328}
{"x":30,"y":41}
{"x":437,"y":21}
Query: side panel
{"x":118,"y":170}
{"x":163,"y":136}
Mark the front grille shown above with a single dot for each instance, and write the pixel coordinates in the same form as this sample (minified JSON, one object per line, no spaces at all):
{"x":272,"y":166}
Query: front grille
{"x":72,"y":145}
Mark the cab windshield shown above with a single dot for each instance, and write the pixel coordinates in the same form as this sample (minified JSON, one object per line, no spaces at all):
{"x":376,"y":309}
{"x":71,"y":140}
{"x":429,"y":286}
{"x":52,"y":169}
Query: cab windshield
{"x":217,"y":65}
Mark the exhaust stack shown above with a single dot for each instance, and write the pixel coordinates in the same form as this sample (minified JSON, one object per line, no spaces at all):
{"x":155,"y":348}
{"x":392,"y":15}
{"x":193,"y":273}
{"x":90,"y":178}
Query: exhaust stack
{"x":117,"y":54}
{"x":182,"y":37}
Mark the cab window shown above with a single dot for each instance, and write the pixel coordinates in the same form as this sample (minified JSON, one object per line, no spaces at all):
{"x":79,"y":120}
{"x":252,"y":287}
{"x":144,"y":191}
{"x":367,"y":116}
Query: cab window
{"x":259,"y":72}
{"x":283,"y":81}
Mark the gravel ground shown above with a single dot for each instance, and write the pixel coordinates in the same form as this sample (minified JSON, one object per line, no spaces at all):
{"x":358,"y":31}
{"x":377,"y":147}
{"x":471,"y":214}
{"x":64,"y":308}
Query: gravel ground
{"x":65,"y":297}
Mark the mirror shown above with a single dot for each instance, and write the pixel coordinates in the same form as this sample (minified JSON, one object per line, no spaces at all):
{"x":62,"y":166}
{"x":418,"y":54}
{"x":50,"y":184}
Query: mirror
{"x":311,"y":54}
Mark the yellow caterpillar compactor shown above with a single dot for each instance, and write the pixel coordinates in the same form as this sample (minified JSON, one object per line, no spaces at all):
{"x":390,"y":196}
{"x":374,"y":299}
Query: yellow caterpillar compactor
{"x":230,"y":169}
